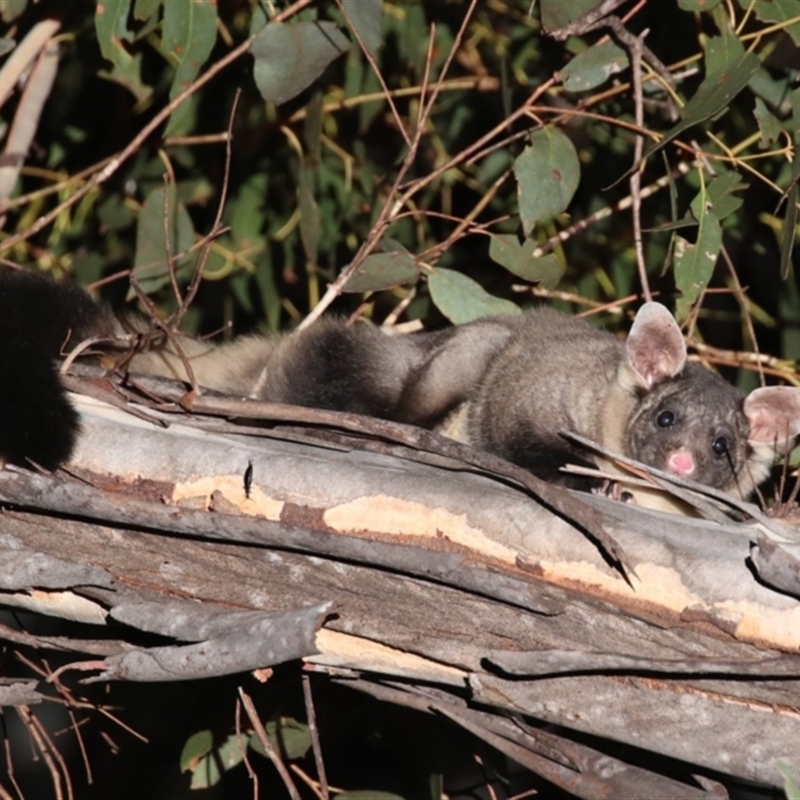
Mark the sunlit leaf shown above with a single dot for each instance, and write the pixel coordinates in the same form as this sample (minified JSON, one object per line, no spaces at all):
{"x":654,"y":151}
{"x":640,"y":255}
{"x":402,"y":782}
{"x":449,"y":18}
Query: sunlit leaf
{"x":548,"y":173}
{"x":506,"y":250}
{"x":694,"y":263}
{"x":462,"y":300}
{"x":197,"y":746}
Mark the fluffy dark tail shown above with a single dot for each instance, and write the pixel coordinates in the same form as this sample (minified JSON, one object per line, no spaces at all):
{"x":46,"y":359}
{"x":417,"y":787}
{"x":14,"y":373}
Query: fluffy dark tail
{"x":37,"y":318}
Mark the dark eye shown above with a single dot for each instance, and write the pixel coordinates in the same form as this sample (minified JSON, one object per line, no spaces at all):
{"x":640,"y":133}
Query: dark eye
{"x":720,"y":445}
{"x":666,"y":419}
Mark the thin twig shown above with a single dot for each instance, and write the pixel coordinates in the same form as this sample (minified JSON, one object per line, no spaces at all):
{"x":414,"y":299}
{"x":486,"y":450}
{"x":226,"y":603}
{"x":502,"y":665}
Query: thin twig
{"x":243,"y":747}
{"x":311,"y":715}
{"x":267,"y":745}
{"x":636,"y":175}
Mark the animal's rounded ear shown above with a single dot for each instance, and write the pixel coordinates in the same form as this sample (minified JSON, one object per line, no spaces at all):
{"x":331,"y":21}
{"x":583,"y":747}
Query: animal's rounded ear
{"x":655,"y":345}
{"x":773,"y":413}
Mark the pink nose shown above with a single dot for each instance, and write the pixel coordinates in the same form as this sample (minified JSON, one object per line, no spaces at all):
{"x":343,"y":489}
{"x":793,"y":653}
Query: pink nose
{"x":681,"y":462}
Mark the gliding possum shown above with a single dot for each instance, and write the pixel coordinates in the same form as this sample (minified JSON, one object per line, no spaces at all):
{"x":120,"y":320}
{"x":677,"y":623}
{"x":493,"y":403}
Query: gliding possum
{"x":508,"y":385}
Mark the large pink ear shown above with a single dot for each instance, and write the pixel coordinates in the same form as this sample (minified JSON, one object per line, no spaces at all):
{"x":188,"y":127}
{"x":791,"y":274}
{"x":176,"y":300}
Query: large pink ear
{"x":656,"y":349}
{"x":774,"y":415}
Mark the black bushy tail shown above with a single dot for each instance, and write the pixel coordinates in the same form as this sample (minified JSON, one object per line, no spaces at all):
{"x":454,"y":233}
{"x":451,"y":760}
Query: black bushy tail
{"x":37,"y":318}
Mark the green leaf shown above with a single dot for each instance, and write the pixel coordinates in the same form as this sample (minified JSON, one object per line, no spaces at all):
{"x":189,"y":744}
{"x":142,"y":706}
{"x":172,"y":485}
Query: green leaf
{"x":720,"y":51}
{"x":145,"y":9}
{"x":556,"y":13}
{"x":548,"y":173}
{"x":714,"y":94}
{"x":111,"y":25}
{"x":11,"y":9}
{"x":771,"y":11}
{"x":365,"y":17}
{"x":383,"y":271}
{"x":694,"y":263}
{"x":593,"y":67}
{"x":462,"y":300}
{"x":206,"y":762}
{"x":190,"y":31}
{"x":287,"y":736}
{"x":368,"y":794}
{"x":791,"y":786}
{"x":768,"y":124}
{"x":288,"y":58}
{"x":698,"y":5}
{"x":152,"y":247}
{"x":721,"y":193}
{"x":197,"y":746}
{"x":506,"y":250}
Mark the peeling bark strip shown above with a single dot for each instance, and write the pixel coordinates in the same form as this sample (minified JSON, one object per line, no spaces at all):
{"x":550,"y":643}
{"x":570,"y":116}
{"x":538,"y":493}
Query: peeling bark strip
{"x":263,"y":642}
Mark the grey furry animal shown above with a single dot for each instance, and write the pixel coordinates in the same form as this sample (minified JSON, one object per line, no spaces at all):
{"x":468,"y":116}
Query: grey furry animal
{"x":512,"y":385}
{"x":508,"y":385}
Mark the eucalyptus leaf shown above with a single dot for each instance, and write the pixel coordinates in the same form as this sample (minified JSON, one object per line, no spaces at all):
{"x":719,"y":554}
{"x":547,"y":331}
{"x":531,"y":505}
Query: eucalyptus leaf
{"x":698,"y":5}
{"x":694,"y":263}
{"x":145,"y":9}
{"x":768,"y":124}
{"x":548,"y":173}
{"x":287,"y":737}
{"x":383,"y":271}
{"x":593,"y":67}
{"x":290,"y":57}
{"x":189,"y":34}
{"x":209,"y":768}
{"x":721,"y":193}
{"x":365,"y":16}
{"x":111,"y":26}
{"x":714,"y":94}
{"x":771,"y":11}
{"x":11,"y":9}
{"x":722,"y":50}
{"x":197,"y":746}
{"x":556,"y":13}
{"x":461,"y":299}
{"x":517,"y":258}
{"x":152,"y":246}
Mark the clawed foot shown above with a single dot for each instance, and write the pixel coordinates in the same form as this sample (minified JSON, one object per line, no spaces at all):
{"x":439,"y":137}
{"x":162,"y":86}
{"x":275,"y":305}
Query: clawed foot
{"x":614,"y":490}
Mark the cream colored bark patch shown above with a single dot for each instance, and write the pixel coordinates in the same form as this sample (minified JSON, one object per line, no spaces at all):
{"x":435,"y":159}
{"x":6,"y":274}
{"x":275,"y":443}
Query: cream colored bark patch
{"x":58,"y":604}
{"x":664,"y":587}
{"x":383,"y":514}
{"x":338,"y":649}
{"x":231,"y":487}
{"x":760,"y":623}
